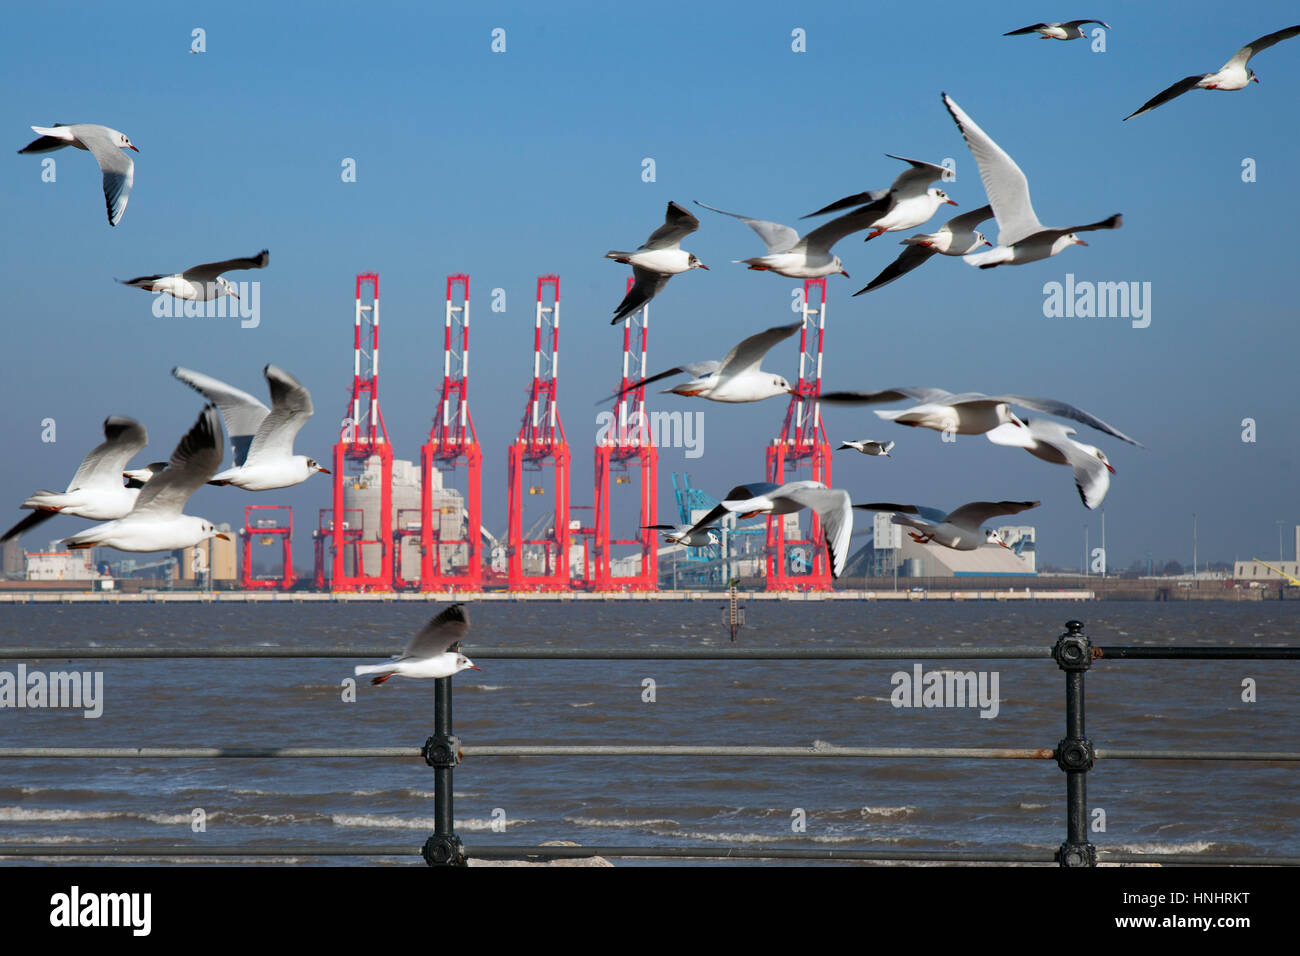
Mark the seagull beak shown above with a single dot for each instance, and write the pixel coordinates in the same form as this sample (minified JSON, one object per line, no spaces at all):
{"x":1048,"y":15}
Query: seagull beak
{"x":951,"y":203}
{"x":324,"y":471}
{"x":704,"y":267}
{"x":1110,"y":469}
{"x":1254,"y":79}
{"x":223,"y":537}
{"x":1005,"y":545}
{"x":133,"y":149}
{"x":987,"y":243}
{"x":792,"y":391}
{"x":475,"y":667}
{"x":1080,"y":242}
{"x":843,"y":273}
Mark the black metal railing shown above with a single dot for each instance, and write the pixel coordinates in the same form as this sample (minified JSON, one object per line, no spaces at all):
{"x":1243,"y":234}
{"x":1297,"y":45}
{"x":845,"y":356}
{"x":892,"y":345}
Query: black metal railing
{"x":1075,"y":753}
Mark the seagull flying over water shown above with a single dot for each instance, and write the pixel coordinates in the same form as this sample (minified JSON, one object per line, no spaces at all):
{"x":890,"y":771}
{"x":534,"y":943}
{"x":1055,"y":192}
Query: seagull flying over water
{"x":1069,"y":30}
{"x":156,"y":521}
{"x":433,"y":652}
{"x":737,"y":378}
{"x":261,"y":437}
{"x":1233,"y":75}
{"x":832,"y":506}
{"x":202,"y":282}
{"x":959,"y":529}
{"x":1051,"y":441}
{"x":657,"y":260}
{"x":106,"y":146}
{"x":96,"y":491}
{"x":800,"y":257}
{"x":970,"y":413}
{"x":904,"y":205}
{"x":956,"y":237}
{"x":1021,"y":237}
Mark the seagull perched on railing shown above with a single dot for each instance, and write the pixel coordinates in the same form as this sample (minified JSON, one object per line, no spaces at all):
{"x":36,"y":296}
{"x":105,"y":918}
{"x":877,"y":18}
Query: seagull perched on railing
{"x":96,"y":491}
{"x":433,"y":652}
{"x":657,"y":260}
{"x":261,"y":437}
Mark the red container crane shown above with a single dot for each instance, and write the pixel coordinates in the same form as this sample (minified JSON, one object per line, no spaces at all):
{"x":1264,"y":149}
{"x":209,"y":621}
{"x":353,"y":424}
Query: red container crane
{"x":803,"y":440}
{"x":541,"y":441}
{"x":268,"y":528}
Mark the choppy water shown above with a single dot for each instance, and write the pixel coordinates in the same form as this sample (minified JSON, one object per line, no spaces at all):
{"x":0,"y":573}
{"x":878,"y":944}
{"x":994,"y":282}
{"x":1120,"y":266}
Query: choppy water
{"x":1158,"y":806}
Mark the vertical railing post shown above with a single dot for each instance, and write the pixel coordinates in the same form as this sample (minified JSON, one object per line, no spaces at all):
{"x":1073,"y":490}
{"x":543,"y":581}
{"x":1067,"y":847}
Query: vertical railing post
{"x":442,"y":753}
{"x":1075,"y":754}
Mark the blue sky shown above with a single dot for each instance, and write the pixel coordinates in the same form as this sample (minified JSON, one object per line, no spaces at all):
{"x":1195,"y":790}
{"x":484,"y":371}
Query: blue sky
{"x":509,"y":165}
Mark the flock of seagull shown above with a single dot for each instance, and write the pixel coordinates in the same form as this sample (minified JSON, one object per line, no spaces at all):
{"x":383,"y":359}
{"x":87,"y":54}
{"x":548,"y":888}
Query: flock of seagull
{"x":143,"y":509}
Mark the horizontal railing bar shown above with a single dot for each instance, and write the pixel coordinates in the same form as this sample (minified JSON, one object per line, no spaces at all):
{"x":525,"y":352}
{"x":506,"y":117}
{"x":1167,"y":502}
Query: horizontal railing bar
{"x":607,"y":750}
{"x":1221,"y":653}
{"x":539,"y":653}
{"x":190,"y":752}
{"x":632,"y":852}
{"x":636,"y":750}
{"x":1019,"y":652}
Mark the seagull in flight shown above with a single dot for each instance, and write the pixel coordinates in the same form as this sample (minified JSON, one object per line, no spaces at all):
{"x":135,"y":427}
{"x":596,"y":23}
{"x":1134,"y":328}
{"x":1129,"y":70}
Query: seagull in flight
{"x":657,"y":260}
{"x":1233,"y":75}
{"x":800,"y":257}
{"x":96,"y":491}
{"x":261,"y":438}
{"x":906,"y":204}
{"x":737,"y":378}
{"x":832,"y":506}
{"x":1069,"y":30}
{"x":684,"y":534}
{"x":1021,"y":237}
{"x":970,"y":413}
{"x":956,"y":237}
{"x":433,"y":652}
{"x":156,"y":522}
{"x":106,"y":146}
{"x":1051,"y":441}
{"x":202,"y":282}
{"x":960,"y":529}
{"x":869,"y":447}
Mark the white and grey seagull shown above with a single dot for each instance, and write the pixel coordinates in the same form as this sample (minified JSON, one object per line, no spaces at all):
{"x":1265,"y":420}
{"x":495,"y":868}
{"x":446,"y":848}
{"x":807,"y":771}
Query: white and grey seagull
{"x":956,"y":237}
{"x":739,"y":377}
{"x":96,"y":491}
{"x":959,"y":529}
{"x":866,"y":447}
{"x":906,"y":204}
{"x":832,"y":506}
{"x":1069,"y":30}
{"x":800,"y":257}
{"x":106,"y":146}
{"x":969,"y":413}
{"x":1021,"y":237}
{"x":657,"y":260}
{"x":1233,"y":75}
{"x":156,"y":522}
{"x":684,"y":534}
{"x":202,"y":282}
{"x":1051,"y":441}
{"x":433,"y":652}
{"x":261,"y":438}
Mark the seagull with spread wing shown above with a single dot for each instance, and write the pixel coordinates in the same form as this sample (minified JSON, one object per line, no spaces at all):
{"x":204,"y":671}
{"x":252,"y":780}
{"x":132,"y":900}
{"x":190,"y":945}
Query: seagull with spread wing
{"x":657,"y":260}
{"x":1233,"y":75}
{"x":800,"y":257}
{"x":832,"y":506}
{"x":960,"y":529}
{"x":1051,"y":441}
{"x":202,"y":282}
{"x":956,"y":237}
{"x":1021,"y":237}
{"x":737,"y":378}
{"x":106,"y":146}
{"x":906,"y":204}
{"x":1069,"y":30}
{"x":970,"y":413}
{"x":96,"y":491}
{"x":156,"y":522}
{"x":261,"y":438}
{"x":433,"y":652}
